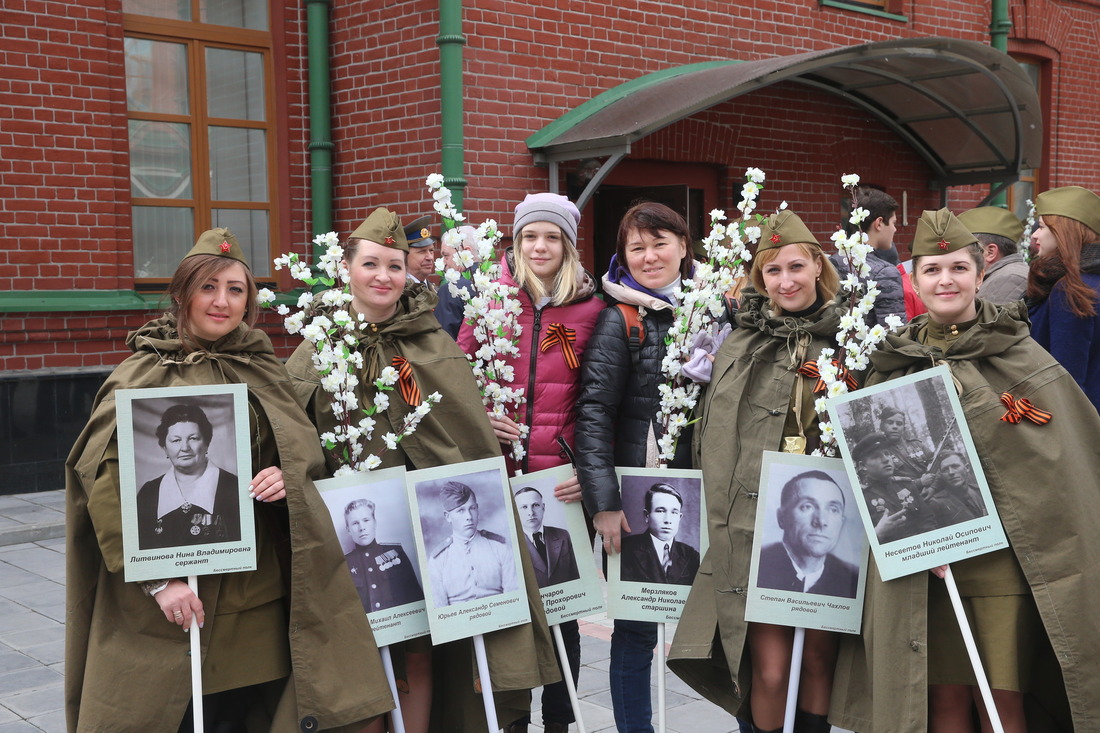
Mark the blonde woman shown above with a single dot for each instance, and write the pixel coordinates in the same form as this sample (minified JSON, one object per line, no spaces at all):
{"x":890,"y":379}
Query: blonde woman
{"x":759,"y":400}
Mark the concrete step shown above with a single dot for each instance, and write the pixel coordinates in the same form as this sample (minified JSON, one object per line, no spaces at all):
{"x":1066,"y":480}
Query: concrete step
{"x":32,"y":517}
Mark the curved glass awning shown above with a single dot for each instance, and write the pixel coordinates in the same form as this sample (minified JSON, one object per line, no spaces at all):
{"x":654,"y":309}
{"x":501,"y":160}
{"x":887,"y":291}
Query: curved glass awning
{"x":968,"y":110}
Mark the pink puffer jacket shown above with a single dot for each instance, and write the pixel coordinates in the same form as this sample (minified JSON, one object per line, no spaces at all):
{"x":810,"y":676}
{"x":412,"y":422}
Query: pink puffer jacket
{"x":550,"y":383}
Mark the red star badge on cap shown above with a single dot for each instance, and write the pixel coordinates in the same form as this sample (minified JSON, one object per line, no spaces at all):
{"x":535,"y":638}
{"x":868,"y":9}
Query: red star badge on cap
{"x":776,"y":239}
{"x":225,"y":246}
{"x":389,"y":240}
{"x":944,"y":244}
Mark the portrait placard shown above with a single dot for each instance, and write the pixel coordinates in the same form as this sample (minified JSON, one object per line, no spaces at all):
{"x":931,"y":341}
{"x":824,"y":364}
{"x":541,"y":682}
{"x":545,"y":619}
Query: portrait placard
{"x":923,"y":495}
{"x":370,"y":513}
{"x":184,"y":469}
{"x":468,"y":549}
{"x":650,"y":578}
{"x":809,"y":551}
{"x":556,"y":537}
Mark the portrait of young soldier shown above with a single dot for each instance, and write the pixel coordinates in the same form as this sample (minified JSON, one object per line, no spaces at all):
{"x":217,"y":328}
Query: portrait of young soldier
{"x":382,"y":573}
{"x":472,"y":563}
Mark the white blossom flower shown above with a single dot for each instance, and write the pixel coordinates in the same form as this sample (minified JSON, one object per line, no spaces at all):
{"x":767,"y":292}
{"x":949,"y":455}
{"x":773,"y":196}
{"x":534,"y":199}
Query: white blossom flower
{"x":388,"y":376}
{"x":850,"y":179}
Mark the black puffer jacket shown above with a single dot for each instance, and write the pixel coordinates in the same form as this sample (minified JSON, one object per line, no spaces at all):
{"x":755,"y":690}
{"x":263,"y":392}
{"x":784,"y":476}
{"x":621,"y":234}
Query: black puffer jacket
{"x":891,"y":296}
{"x":618,"y":406}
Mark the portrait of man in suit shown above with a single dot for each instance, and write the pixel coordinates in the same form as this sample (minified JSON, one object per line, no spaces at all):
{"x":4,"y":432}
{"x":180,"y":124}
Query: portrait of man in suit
{"x":550,"y":548}
{"x":656,"y":556}
{"x":811,"y":515}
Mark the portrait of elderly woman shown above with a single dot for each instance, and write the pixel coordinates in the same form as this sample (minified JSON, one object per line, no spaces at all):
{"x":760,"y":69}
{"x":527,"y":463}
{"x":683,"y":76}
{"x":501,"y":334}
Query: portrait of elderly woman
{"x":194,"y":502}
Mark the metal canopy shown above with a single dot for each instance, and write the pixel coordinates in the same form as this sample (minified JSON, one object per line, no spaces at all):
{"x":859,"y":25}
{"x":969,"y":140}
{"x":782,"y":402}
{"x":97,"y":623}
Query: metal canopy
{"x":968,"y":110}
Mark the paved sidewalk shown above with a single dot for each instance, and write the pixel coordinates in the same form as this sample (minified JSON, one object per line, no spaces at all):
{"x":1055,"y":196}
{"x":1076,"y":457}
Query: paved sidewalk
{"x":32,"y":609}
{"x":32,"y":616}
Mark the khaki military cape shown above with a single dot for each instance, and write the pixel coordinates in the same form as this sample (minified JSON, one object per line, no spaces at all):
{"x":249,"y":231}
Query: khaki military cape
{"x":456,"y":430}
{"x":1045,"y":481}
{"x":126,"y":667}
{"x":746,"y":410}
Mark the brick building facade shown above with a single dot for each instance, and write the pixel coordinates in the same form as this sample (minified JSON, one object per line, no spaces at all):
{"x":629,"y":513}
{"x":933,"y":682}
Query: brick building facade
{"x":72,"y":285}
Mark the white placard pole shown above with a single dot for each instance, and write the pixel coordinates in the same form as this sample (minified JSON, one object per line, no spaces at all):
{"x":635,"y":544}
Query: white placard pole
{"x":660,"y":678}
{"x":196,"y":661}
{"x":567,"y":673}
{"x":486,"y":683}
{"x":387,"y":665}
{"x":792,"y":683}
{"x":972,"y":650}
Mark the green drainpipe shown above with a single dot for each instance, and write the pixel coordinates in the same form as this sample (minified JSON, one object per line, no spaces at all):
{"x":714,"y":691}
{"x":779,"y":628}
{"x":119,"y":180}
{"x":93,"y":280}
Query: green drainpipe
{"x":450,"y":43}
{"x":320,"y":116}
{"x":999,"y":27}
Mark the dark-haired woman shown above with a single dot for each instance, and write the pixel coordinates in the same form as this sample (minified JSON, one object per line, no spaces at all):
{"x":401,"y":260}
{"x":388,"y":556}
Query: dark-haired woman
{"x":194,"y":502}
{"x":1031,"y":606}
{"x":122,"y":637}
{"x":760,"y":399}
{"x":617,"y":411}
{"x":1063,"y":289}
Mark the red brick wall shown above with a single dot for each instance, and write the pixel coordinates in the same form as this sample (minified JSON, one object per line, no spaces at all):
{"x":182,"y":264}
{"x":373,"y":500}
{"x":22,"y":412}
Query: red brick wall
{"x":64,"y":223}
{"x":63,"y":177}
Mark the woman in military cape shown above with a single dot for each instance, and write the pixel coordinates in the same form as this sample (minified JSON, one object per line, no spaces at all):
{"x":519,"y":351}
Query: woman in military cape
{"x":456,"y":430}
{"x":761,"y":398}
{"x":1032,"y":605}
{"x":286,"y":643}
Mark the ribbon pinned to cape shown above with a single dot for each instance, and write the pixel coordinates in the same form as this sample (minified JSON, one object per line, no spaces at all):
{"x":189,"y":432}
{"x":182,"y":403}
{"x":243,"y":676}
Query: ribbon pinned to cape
{"x":559,"y":333}
{"x":809,"y":369}
{"x":406,"y":384}
{"x":1022,"y":408}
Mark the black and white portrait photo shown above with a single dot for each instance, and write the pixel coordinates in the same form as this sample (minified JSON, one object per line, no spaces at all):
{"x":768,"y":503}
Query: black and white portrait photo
{"x":546,"y":539}
{"x":914,"y":470}
{"x":465,"y":524}
{"x":382,"y":572}
{"x":373,"y":522}
{"x":186,"y":467}
{"x":809,"y":530}
{"x":663,"y":544}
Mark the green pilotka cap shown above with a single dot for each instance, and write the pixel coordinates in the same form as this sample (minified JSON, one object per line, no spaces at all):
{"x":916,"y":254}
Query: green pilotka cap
{"x":382,"y":227}
{"x":993,"y":220}
{"x":1072,"y":202}
{"x":783,"y":228}
{"x":219,"y":242}
{"x":940,"y":232}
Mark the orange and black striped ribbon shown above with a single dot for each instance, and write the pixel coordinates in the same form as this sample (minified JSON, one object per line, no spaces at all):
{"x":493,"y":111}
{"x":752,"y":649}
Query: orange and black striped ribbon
{"x":559,"y":333}
{"x":405,"y":382}
{"x":809,"y":369}
{"x":1021,"y":408}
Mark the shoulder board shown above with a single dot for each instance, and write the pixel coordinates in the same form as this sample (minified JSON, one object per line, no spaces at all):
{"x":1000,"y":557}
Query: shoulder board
{"x":491,"y":536}
{"x":445,"y":545}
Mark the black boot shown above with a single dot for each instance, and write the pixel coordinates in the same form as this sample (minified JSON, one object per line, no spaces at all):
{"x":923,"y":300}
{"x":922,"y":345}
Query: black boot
{"x":811,"y":723}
